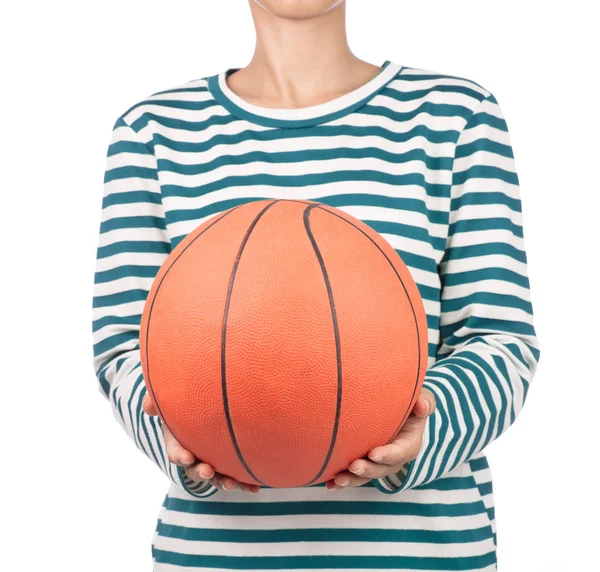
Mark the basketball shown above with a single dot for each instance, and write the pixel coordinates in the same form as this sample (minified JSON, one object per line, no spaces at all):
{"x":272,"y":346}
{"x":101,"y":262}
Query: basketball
{"x":281,"y":340}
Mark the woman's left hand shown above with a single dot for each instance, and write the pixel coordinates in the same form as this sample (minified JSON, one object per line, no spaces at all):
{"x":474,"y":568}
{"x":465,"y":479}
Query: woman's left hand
{"x":390,"y":458}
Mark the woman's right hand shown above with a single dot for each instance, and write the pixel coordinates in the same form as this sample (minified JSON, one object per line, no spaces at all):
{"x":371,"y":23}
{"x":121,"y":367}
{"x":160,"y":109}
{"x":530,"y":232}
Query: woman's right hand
{"x":195,"y":470}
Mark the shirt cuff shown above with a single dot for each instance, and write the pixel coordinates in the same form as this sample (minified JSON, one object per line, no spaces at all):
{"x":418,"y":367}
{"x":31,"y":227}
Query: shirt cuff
{"x":199,"y":489}
{"x":391,"y":484}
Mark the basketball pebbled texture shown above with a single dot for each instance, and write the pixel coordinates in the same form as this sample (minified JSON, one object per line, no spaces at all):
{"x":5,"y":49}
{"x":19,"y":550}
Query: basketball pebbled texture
{"x":281,"y":340}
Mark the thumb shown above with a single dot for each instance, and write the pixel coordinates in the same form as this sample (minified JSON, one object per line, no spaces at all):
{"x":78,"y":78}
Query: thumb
{"x":148,"y":405}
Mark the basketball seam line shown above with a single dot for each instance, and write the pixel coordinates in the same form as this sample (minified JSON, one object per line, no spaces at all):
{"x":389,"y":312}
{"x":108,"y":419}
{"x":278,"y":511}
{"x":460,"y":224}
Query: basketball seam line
{"x":319,"y":256}
{"x":224,"y":340}
{"x":152,"y":307}
{"x":320,"y":207}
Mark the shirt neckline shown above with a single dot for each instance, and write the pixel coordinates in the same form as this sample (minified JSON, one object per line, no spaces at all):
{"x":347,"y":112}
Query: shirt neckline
{"x":304,"y":116}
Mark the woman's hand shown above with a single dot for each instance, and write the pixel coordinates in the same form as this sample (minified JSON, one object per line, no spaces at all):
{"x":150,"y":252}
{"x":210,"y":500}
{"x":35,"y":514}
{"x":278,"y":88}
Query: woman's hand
{"x":390,"y":458}
{"x":197,"y":471}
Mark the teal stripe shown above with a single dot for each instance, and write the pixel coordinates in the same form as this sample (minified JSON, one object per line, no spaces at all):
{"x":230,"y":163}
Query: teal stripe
{"x":485,"y":172}
{"x":130,"y":410}
{"x":112,"y":342}
{"x":482,"y":118}
{"x":102,"y":379}
{"x":134,"y":147}
{"x":432,"y":350}
{"x":342,"y":201}
{"x":488,"y":299}
{"x":127,"y":222}
{"x":433,"y":321}
{"x":500,"y":363}
{"x":406,"y":230}
{"x":515,"y":350}
{"x":123,"y":297}
{"x":416,"y":261}
{"x":486,"y":249}
{"x":324,"y":155}
{"x":490,"y":273}
{"x":140,"y":417}
{"x":131,"y":198}
{"x":133,"y":247}
{"x":445,"y":110}
{"x":184,"y":215}
{"x":426,"y":76}
{"x":448,"y":484}
{"x":308,"y":180}
{"x":127,"y":271}
{"x":169,"y":104}
{"x":485,"y":224}
{"x":483,"y":144}
{"x":324,"y":535}
{"x":130,"y":171}
{"x":324,"y":562}
{"x":399,"y":203}
{"x":480,"y":324}
{"x":535,"y":352}
{"x":485,"y":488}
{"x":158,"y":436}
{"x":480,"y":464}
{"x":474,"y":198}
{"x":250,"y":134}
{"x":171,"y":91}
{"x":433,"y":510}
{"x":394,"y":91}
{"x":100,"y":323}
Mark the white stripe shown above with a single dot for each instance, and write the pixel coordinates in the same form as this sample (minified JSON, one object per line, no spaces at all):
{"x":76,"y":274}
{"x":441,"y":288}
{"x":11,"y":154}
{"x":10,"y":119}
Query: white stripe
{"x":282,"y":522}
{"x":255,"y":549}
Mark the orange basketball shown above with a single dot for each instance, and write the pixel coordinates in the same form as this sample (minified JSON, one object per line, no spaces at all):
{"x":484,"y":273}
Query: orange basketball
{"x":281,"y":340}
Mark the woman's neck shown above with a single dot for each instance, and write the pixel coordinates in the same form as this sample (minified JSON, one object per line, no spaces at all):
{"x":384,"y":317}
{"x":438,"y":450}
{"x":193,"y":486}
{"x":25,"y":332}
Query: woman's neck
{"x":299,"y":63}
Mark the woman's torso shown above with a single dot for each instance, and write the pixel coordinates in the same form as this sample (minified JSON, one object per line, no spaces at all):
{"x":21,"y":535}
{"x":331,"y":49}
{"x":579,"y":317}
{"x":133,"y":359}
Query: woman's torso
{"x":383,"y":155}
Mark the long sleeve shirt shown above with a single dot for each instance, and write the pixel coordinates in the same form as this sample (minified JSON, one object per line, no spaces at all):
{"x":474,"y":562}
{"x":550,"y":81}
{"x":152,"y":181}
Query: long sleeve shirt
{"x":425,"y":159}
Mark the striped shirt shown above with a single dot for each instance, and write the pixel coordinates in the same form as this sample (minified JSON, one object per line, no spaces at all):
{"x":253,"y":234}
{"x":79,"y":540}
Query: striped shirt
{"x":424,"y":159}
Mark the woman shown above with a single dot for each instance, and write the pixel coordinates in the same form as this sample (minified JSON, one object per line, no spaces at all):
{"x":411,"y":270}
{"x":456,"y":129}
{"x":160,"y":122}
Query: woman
{"x":422,"y":157}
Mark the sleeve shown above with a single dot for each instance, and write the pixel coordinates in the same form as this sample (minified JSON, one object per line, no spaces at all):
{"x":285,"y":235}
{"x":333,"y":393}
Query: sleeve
{"x":133,"y":243}
{"x":488,"y":350}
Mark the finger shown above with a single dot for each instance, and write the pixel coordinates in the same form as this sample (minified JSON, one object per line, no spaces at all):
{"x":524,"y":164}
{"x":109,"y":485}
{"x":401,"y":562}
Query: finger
{"x":224,"y":482}
{"x":369,"y":470}
{"x":405,"y":447}
{"x":346,"y":479}
{"x":175,"y":452}
{"x":229,"y":484}
{"x":200,"y":471}
{"x":249,"y":488}
{"x":148,"y":406}
{"x":425,"y":404}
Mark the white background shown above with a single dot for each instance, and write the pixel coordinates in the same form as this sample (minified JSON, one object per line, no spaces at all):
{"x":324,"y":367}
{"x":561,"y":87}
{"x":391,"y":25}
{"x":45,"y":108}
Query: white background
{"x":77,"y":495}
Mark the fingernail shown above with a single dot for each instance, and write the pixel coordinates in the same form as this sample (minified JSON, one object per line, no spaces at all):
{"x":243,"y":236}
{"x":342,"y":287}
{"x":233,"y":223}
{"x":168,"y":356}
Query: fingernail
{"x":358,"y":471}
{"x":187,"y":463}
{"x":376,"y":458}
{"x":227,"y":488}
{"x":204,"y":474}
{"x":343,"y":483}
